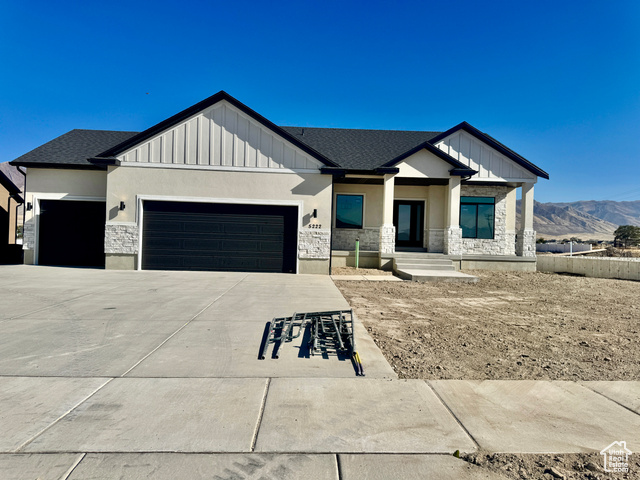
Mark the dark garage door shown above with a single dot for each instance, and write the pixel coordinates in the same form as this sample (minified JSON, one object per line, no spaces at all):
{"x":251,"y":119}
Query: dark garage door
{"x":221,"y":237}
{"x":71,"y":233}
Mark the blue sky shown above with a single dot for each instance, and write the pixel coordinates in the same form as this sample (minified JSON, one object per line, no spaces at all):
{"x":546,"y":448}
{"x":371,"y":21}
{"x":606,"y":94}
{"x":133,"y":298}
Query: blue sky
{"x":559,"y":82}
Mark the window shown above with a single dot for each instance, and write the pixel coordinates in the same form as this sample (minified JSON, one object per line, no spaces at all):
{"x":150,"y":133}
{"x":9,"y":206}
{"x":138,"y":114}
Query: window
{"x":477,"y":216}
{"x":349,"y":211}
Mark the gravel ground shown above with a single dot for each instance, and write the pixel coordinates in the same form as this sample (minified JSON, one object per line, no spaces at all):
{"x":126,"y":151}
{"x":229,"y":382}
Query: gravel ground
{"x":552,"y":467}
{"x":508,"y":326}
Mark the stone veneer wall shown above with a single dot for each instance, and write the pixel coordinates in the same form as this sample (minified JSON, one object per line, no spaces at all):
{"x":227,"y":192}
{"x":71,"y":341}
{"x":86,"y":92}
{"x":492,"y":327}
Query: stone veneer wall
{"x":435,"y":240}
{"x":387,"y":239}
{"x":121,"y":238}
{"x":314,"y":243}
{"x":29,"y":235}
{"x":453,"y":241}
{"x":526,"y":243}
{"x":345,"y":238}
{"x":503,"y":242}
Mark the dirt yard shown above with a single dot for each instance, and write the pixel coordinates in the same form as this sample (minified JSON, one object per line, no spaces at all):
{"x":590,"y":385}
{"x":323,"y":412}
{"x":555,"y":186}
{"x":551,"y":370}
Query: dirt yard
{"x":507,"y":326}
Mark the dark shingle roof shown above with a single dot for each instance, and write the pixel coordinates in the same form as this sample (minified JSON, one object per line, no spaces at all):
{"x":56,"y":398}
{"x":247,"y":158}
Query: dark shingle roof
{"x":351,"y":149}
{"x":360,"y":149}
{"x":73,"y":148}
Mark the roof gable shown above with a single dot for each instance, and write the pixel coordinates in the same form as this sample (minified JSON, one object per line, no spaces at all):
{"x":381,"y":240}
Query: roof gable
{"x":203,"y":112}
{"x":220,"y":135}
{"x":441,"y":141}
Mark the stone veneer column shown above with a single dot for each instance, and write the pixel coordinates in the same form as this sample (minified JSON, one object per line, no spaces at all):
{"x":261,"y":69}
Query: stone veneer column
{"x":121,"y":238}
{"x":387,"y":230}
{"x":452,"y":231}
{"x":314,"y":243}
{"x":526,"y":242}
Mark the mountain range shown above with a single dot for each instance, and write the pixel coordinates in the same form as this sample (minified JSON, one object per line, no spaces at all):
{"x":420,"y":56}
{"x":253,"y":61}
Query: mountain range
{"x":587,"y":219}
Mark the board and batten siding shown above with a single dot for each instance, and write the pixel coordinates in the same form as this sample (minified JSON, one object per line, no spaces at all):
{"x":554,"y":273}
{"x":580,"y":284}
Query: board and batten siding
{"x":490,"y":164}
{"x":221,"y":136}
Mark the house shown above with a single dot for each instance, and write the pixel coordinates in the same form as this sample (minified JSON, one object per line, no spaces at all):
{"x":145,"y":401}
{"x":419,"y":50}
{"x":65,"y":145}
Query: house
{"x":219,"y":187}
{"x":11,"y":185}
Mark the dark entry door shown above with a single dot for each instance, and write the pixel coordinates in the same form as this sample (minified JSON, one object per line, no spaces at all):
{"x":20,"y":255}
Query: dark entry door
{"x":408,"y":218}
{"x":71,"y":233}
{"x":219,"y":237}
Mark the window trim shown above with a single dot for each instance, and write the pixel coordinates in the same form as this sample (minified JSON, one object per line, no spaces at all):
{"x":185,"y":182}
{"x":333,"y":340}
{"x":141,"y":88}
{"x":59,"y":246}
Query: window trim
{"x":335,"y":208}
{"x":476,"y":204}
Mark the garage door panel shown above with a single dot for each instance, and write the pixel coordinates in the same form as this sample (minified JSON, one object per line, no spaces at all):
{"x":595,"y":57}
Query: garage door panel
{"x":71,"y":233}
{"x":195,"y":236}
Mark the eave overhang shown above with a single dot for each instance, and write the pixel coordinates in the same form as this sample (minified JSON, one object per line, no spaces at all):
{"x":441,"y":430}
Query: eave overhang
{"x":64,"y":166}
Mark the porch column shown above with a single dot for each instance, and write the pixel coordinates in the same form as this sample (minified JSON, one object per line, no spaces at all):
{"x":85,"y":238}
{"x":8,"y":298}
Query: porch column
{"x":387,"y":230}
{"x":452,"y":231}
{"x":526,"y":242}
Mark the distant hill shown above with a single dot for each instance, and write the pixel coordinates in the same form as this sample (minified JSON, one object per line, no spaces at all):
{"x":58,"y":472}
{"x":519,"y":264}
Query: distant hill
{"x":562,"y":220}
{"x":619,"y":213}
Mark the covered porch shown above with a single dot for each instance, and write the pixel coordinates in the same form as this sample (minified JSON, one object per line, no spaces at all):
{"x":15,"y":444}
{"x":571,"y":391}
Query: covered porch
{"x":470,"y":222}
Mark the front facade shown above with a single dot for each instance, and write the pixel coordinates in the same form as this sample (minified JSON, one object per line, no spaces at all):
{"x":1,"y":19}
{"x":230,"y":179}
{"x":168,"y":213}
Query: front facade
{"x":219,"y":187}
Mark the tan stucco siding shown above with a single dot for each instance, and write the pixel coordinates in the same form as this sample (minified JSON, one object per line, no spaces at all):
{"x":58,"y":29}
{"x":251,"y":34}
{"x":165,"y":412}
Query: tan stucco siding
{"x":372,"y":201}
{"x":127,"y":183}
{"x":437,"y":206}
{"x":83,"y":183}
{"x":511,"y":209}
{"x":424,"y":164}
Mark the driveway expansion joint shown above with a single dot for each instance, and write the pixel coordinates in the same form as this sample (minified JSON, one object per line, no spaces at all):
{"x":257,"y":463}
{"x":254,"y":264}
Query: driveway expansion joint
{"x":583,"y":384}
{"x":73,"y":466}
{"x":453,"y":415}
{"x":21,"y":448}
{"x":183,"y":326}
{"x":260,"y":415}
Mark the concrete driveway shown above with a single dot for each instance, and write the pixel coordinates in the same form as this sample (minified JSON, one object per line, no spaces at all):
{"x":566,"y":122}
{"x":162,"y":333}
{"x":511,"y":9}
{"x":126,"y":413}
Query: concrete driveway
{"x":107,"y":374}
{"x":104,"y":372}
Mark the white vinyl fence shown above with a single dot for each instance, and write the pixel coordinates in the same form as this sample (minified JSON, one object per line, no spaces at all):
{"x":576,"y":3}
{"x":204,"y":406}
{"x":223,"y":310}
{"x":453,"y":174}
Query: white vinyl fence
{"x":562,"y":247}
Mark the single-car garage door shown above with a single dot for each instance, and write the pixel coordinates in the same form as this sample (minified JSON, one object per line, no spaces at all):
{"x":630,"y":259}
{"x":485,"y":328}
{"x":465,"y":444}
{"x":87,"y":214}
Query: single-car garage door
{"x":221,"y":237}
{"x":71,"y":233}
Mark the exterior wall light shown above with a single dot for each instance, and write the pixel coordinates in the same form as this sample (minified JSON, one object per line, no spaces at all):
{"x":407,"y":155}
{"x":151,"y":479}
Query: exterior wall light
{"x":122,"y":205}
{"x":29,"y":206}
{"x":315,"y":213}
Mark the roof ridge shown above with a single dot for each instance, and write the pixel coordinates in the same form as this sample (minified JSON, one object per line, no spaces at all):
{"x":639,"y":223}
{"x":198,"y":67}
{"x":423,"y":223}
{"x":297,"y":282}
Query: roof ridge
{"x":363,"y":129}
{"x":99,"y":130}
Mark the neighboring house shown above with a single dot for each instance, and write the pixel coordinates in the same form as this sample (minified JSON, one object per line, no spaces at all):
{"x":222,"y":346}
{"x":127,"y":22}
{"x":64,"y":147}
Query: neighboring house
{"x":11,"y":185}
{"x":219,"y":187}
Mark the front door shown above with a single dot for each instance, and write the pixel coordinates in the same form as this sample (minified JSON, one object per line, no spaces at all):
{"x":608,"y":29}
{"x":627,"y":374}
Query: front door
{"x":408,"y":218}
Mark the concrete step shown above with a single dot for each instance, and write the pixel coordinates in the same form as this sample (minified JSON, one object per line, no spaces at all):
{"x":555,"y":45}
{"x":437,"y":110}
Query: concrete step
{"x":419,"y":275}
{"x":424,"y":266}
{"x":423,"y":261}
{"x":419,"y":255}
